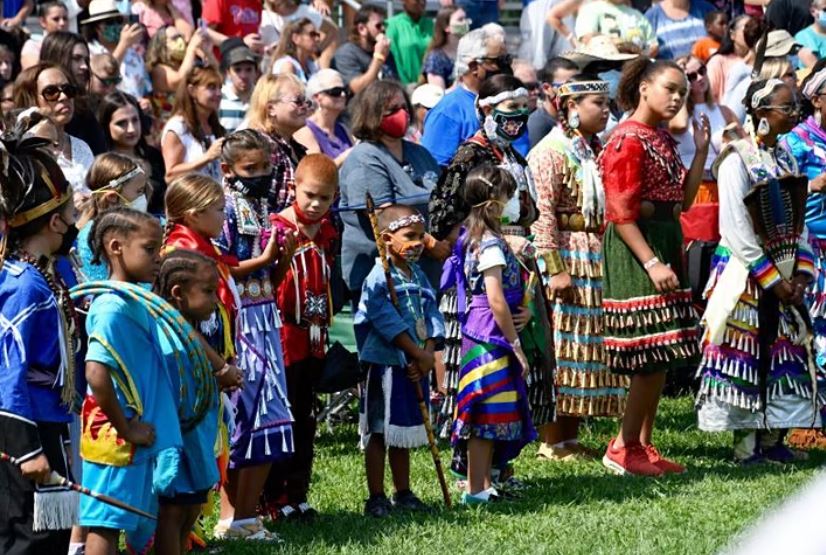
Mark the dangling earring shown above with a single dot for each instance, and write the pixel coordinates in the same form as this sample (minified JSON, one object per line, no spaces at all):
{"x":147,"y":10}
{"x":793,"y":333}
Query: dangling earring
{"x":763,"y":128}
{"x":818,"y":117}
{"x":573,"y":120}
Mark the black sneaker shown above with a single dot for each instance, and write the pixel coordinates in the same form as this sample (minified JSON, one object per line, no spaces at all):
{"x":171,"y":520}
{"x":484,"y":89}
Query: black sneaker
{"x":407,"y":501}
{"x":306,"y":512}
{"x":288,"y":513}
{"x":377,"y":506}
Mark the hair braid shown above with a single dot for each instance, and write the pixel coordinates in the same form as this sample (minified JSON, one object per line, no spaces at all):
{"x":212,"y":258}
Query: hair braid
{"x":118,"y":219}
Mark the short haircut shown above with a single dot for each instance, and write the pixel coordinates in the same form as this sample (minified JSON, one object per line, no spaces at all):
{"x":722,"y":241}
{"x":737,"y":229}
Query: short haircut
{"x":44,"y":8}
{"x":390,"y":214}
{"x":369,"y":107}
{"x":546,"y":74}
{"x":318,"y":166}
{"x":474,"y":45}
{"x":362,"y":17}
{"x":712,"y":15}
{"x":104,"y":64}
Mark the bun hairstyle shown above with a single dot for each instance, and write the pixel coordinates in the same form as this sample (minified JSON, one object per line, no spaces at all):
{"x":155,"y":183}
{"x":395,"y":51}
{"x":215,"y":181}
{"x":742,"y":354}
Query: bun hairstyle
{"x":634,"y":72}
{"x":483,"y":184}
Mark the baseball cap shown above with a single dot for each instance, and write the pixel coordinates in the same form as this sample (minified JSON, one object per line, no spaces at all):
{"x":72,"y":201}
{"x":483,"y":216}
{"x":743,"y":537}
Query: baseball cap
{"x":427,"y":95}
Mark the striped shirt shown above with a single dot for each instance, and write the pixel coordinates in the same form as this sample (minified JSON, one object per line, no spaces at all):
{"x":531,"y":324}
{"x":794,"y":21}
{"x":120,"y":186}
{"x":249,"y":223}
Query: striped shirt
{"x":677,"y":36}
{"x":232,"y":110}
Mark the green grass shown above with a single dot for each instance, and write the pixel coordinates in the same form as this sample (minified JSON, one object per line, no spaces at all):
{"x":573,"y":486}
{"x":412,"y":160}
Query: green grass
{"x":568,"y":508}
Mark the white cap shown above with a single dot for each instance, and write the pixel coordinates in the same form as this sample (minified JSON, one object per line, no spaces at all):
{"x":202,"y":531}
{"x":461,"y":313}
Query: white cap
{"x":427,"y":95}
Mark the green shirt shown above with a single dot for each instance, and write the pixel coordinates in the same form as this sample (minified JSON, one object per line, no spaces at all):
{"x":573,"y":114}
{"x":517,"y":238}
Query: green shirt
{"x":408,"y":43}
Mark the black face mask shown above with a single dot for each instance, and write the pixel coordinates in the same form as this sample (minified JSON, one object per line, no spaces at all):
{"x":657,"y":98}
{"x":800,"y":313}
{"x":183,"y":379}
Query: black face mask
{"x":68,"y":240}
{"x":255,"y":187}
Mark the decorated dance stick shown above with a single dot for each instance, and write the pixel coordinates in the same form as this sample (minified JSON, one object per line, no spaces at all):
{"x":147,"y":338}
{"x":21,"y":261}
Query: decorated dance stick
{"x":56,"y":479}
{"x":394,"y":298}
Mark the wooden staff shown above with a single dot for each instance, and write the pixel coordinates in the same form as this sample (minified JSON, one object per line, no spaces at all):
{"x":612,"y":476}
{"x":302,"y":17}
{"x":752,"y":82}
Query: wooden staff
{"x":394,"y":298}
{"x":56,"y":479}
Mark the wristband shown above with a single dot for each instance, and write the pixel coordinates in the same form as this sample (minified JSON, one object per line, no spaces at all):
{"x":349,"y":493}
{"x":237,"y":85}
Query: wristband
{"x":380,"y":57}
{"x":553,"y":263}
{"x":651,"y":263}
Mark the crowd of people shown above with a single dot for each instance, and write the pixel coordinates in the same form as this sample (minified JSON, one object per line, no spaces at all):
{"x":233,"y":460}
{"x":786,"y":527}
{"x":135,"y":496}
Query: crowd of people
{"x":191,"y":192}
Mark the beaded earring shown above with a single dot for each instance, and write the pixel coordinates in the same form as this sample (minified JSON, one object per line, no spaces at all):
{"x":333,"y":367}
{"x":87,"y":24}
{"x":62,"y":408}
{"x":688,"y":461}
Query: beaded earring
{"x":573,"y":120}
{"x":763,"y":128}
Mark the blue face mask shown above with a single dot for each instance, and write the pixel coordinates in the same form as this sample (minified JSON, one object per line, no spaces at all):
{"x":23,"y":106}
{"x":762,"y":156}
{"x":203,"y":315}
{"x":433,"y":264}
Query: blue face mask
{"x":613,"y":78}
{"x":821,"y":18}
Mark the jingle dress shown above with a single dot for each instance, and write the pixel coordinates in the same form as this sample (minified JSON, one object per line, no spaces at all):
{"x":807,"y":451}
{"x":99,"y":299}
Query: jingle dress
{"x":645,"y":331}
{"x":491,"y":402}
{"x":568,"y":186}
{"x":755,"y":371}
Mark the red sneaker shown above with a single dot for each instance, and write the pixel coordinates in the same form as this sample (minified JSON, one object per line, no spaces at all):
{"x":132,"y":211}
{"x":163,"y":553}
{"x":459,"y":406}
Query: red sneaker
{"x":654,"y":457}
{"x":631,"y":459}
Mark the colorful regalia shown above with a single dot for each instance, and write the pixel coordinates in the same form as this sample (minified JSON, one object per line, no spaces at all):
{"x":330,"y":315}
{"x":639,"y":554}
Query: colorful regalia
{"x":263,"y":422}
{"x":645,"y":331}
{"x":571,"y":203}
{"x":491,"y":402}
{"x":389,"y":405}
{"x":756,"y":372}
{"x":125,"y":337}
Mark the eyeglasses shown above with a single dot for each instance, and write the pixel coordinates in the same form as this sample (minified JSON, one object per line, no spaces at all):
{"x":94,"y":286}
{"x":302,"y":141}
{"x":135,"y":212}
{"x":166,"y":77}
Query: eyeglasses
{"x":298,"y":101}
{"x":694,"y":75}
{"x":52,"y":92}
{"x":109,"y":81}
{"x":502,"y":61}
{"x":335,"y":91}
{"x":785,"y":109}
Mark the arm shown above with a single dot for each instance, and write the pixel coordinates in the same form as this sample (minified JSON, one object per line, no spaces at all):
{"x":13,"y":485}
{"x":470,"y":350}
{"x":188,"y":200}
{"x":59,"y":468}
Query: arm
{"x":328,"y":44}
{"x":130,"y":35}
{"x":306,"y":138}
{"x":357,"y":84}
{"x":502,"y":313}
{"x":808,"y":57}
{"x":548,"y":171}
{"x":438,"y":80}
{"x":174,"y":152}
{"x":702,"y":138}
{"x":20,"y":17}
{"x":561,"y":11}
{"x":181,"y":24}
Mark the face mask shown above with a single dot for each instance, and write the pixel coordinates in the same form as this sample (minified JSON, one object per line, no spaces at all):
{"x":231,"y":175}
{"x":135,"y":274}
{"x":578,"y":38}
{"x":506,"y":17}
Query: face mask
{"x":612,"y":77}
{"x":141,"y":204}
{"x":460,"y":29}
{"x":510,"y":125}
{"x":255,"y":187}
{"x":395,"y":125}
{"x":111,"y":33}
{"x":411,"y":251}
{"x":510,"y":214}
{"x":821,"y":18}
{"x":68,"y":240}
{"x":177,"y":50}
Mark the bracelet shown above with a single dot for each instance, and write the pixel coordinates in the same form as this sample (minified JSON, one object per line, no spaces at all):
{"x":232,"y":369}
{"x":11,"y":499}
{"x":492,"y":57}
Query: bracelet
{"x":224,"y":369}
{"x":651,"y":263}
{"x":516,"y":344}
{"x":380,"y":57}
{"x":553,"y":263}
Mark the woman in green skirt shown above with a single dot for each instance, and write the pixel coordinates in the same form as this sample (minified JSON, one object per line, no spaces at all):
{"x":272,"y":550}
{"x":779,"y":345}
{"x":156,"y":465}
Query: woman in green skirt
{"x":649,"y":325}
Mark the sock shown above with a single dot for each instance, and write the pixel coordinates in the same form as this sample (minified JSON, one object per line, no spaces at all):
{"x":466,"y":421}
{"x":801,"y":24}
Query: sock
{"x":76,"y":548}
{"x":560,"y":445}
{"x":244,"y":522}
{"x":483,"y":495}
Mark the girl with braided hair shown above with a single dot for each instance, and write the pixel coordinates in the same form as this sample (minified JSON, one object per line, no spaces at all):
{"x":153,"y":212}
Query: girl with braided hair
{"x":38,"y":342}
{"x":568,"y":237}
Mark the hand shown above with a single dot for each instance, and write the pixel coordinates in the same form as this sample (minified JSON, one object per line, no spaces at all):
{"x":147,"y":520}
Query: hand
{"x":423,"y":363}
{"x":521,"y":318}
{"x":702,"y":133}
{"x":663,"y":278}
{"x":231,"y":379}
{"x":289,"y":246}
{"x":214,"y":151}
{"x":271,"y":251}
{"x":140,"y":433}
{"x":818,"y":184}
{"x":145,"y":105}
{"x":440,"y":251}
{"x":199,"y":38}
{"x":523,"y":360}
{"x":559,"y":285}
{"x":785,"y":291}
{"x":130,"y":35}
{"x":382,"y":46}
{"x":800,"y":283}
{"x":322,"y":7}
{"x":254,"y":42}
{"x":37,"y":469}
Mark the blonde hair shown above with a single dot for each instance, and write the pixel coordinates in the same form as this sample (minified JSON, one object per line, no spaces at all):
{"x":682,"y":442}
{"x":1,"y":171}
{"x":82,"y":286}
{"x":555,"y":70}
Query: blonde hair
{"x":190,"y":193}
{"x":268,"y":89}
{"x":107,"y":167}
{"x":105,"y":64}
{"x":774,"y":68}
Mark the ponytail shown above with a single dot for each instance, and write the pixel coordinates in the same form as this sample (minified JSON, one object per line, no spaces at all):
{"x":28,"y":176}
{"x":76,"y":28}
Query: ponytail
{"x":635,"y":72}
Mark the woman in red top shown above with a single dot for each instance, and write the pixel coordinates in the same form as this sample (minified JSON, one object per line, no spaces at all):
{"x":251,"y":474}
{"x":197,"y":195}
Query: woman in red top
{"x":649,"y":326}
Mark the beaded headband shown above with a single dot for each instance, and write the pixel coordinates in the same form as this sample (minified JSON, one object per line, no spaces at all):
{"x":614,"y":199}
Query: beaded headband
{"x":118,"y":181}
{"x":765,"y":91}
{"x":582,"y":87}
{"x":405,"y":221}
{"x":503,"y":96}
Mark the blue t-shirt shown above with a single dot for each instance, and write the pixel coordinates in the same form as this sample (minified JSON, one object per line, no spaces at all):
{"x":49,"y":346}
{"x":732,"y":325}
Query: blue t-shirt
{"x":812,"y":40}
{"x":676,"y":37}
{"x":449,"y":124}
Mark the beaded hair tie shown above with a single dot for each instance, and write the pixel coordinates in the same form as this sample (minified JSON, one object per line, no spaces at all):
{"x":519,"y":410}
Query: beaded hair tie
{"x":405,"y":221}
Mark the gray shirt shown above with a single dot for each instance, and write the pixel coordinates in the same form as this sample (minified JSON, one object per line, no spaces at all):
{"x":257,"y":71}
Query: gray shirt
{"x":353,"y":61}
{"x":540,"y":124}
{"x":371,"y":168}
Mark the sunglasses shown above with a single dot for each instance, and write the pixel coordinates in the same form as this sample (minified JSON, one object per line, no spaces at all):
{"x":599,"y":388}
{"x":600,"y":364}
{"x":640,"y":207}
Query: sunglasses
{"x":502,"y":61}
{"x":694,"y":75}
{"x":52,"y":92}
{"x":531,"y":86}
{"x":335,"y":91}
{"x":109,"y":81}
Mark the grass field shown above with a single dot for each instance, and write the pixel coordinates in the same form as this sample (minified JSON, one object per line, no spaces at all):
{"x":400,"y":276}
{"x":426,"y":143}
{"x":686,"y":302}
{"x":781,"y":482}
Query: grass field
{"x":568,"y":508}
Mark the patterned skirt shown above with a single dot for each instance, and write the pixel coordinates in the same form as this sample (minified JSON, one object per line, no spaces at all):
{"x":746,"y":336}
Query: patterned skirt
{"x":816,"y":297}
{"x":585,"y":386}
{"x":452,"y":356}
{"x":491,"y":402}
{"x":263,"y":423}
{"x":736,"y":390}
{"x":646,"y":331}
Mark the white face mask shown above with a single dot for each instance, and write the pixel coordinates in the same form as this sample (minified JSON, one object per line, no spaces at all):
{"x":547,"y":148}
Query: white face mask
{"x":510,"y":214}
{"x":140,"y":204}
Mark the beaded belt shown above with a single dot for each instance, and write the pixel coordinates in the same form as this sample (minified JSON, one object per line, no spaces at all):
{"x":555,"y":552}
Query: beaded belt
{"x":255,"y":289}
{"x":573,"y":222}
{"x":660,"y":211}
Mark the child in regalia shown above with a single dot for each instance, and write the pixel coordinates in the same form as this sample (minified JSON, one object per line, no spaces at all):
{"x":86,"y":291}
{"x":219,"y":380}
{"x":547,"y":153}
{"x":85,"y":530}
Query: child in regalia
{"x":305,"y":305}
{"x":397,"y":343}
{"x":38,"y":344}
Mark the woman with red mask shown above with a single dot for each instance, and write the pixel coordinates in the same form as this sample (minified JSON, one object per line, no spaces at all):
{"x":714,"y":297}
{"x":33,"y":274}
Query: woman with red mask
{"x":390,"y":168}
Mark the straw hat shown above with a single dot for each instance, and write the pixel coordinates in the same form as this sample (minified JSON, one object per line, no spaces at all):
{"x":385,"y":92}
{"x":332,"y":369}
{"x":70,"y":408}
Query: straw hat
{"x":100,"y":10}
{"x":600,"y":49}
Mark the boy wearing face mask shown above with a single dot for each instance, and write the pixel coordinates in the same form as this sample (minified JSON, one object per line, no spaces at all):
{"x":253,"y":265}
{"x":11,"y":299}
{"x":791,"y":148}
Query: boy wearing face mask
{"x":397,"y":344}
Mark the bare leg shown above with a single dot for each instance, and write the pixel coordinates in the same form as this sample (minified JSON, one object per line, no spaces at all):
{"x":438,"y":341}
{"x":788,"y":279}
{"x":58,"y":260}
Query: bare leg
{"x":400,"y":467}
{"x":440,"y":372}
{"x":250,"y":484}
{"x":643,"y":395}
{"x":479,"y":461}
{"x":374,"y":464}
{"x":553,"y":433}
{"x":229,"y":493}
{"x":190,"y":516}
{"x":168,"y":533}
{"x":102,"y":541}
{"x":651,"y":411}
{"x":570,"y":425}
